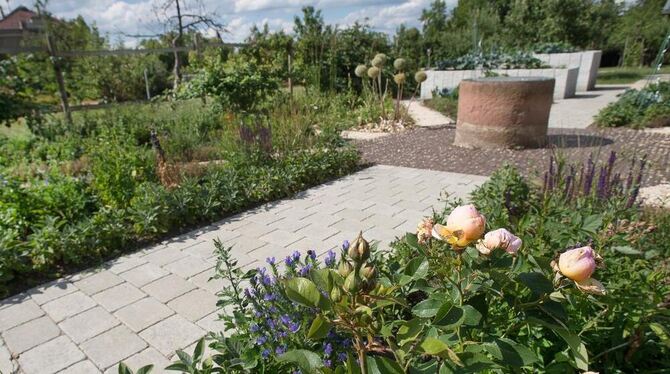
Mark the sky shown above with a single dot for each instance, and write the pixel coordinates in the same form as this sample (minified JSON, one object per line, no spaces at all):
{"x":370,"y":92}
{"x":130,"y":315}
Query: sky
{"x":116,"y":17}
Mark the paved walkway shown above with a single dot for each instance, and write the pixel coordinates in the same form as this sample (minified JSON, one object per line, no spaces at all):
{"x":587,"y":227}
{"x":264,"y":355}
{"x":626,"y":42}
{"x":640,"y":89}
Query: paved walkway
{"x":142,"y":307}
{"x":578,"y":112}
{"x":426,"y":117}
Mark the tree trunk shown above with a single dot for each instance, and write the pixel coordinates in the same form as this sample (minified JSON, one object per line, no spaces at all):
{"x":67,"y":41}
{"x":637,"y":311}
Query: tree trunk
{"x":175,"y":43}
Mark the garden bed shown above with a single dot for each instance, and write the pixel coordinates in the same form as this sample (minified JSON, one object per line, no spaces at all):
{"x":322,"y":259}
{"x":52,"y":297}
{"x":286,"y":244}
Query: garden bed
{"x":648,"y":107}
{"x":74,"y":196}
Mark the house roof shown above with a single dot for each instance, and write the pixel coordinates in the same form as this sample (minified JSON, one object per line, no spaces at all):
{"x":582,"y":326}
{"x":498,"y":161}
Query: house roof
{"x":17,"y":19}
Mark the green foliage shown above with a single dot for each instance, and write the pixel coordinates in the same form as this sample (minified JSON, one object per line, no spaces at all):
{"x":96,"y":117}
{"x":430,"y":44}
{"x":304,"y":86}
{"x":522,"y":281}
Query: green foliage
{"x":648,"y":107}
{"x":517,"y":60}
{"x":234,"y":84}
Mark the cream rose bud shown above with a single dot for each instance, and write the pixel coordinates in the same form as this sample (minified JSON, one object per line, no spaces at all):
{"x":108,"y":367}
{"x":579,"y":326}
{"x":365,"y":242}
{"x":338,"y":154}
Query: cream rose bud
{"x":469,"y":221}
{"x":592,"y":286}
{"x":577,"y":264}
{"x":500,"y":238}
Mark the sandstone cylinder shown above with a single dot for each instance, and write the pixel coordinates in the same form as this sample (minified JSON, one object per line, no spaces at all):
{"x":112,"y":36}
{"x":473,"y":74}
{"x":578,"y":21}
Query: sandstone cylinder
{"x":504,"y":112}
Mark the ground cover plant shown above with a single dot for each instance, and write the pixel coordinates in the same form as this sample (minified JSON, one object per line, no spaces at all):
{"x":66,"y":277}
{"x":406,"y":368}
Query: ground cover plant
{"x":648,"y":107}
{"x":492,"y":60}
{"x":563,"y":275}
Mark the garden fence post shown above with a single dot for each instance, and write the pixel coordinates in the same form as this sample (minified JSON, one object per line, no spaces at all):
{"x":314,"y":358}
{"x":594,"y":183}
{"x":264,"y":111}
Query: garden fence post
{"x":146,"y":84}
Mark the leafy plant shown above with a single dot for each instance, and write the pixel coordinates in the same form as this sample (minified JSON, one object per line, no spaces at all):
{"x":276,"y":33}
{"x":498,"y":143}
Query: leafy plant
{"x":648,"y":107}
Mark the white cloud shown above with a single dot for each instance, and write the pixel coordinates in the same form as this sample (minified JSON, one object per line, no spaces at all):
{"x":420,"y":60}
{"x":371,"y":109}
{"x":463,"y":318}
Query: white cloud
{"x":119,"y":17}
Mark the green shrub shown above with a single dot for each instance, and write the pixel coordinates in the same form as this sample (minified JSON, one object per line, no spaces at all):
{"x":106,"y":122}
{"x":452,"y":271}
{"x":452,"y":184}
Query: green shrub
{"x":649,"y":107}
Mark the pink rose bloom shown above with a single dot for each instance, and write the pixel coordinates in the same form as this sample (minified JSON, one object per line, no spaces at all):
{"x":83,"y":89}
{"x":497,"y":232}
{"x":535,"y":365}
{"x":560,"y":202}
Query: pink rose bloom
{"x":500,"y":238}
{"x":577,"y":264}
{"x":467,"y":223}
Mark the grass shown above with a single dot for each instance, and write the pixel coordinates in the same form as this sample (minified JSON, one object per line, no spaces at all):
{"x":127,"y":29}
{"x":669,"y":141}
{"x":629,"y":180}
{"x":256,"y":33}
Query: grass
{"x":445,"y":105}
{"x":625,"y":75}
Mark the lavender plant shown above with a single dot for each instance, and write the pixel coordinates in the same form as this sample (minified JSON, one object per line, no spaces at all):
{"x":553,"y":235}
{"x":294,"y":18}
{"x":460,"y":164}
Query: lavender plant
{"x":602,"y":182}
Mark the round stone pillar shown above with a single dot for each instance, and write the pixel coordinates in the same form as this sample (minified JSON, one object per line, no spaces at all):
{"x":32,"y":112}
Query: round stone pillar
{"x":507,"y":112}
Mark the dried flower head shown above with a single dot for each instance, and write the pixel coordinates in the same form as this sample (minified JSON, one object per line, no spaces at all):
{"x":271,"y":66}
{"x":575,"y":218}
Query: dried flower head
{"x":420,"y":76}
{"x":400,"y":64}
{"x":373,"y":72}
{"x":361,"y":70}
{"x":399,"y":78}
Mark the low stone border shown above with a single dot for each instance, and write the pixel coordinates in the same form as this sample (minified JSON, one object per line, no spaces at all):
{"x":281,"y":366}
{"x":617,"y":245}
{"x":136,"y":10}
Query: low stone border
{"x":362,"y":135}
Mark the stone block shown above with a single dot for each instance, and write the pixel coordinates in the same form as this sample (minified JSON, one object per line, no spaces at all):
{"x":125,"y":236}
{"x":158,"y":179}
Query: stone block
{"x":143,"y":313}
{"x":194,"y":305}
{"x":30,"y":334}
{"x":171,"y":334}
{"x":118,"y":296}
{"x":51,"y":357}
{"x":68,"y":305}
{"x":88,"y":324}
{"x":110,"y":347}
{"x":168,"y":287}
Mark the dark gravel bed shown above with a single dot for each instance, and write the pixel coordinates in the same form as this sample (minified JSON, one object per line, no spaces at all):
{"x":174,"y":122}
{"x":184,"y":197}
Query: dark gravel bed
{"x":434,"y":149}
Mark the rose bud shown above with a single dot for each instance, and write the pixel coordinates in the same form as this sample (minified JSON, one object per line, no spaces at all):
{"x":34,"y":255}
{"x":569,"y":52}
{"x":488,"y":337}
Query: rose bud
{"x":591,"y":286}
{"x":368,"y":272}
{"x":466,"y":224}
{"x":344,"y":268}
{"x":351,"y":283}
{"x":500,"y":238}
{"x":577,"y":264}
{"x":359,"y":250}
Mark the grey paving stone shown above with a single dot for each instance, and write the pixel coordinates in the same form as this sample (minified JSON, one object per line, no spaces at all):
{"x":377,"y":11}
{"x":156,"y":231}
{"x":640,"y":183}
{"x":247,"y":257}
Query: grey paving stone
{"x":7,"y":365}
{"x":118,"y":296}
{"x":188,"y":266}
{"x":253,"y":229}
{"x":171,"y":334}
{"x":353,"y":214}
{"x":166,"y":255}
{"x":98,"y":281}
{"x":194,"y":305}
{"x":325,"y":208}
{"x":211,"y":322}
{"x":146,"y":357}
{"x":203,"y":281}
{"x":386,"y":222}
{"x":143,"y":313}
{"x":296,"y":213}
{"x":168,"y":287}
{"x":68,"y":305}
{"x":245,"y":244}
{"x":144,"y":274}
{"x":88,"y":324}
{"x":112,"y":346}
{"x":52,"y":290}
{"x":221,"y":234}
{"x":264,"y":217}
{"x":351,"y":225}
{"x":125,"y":263}
{"x":51,"y":357}
{"x":30,"y":334}
{"x":15,"y":314}
{"x":82,"y":367}
{"x":318,"y":230}
{"x":384,"y":209}
{"x":289,"y":224}
{"x":204,"y":250}
{"x":281,"y":238}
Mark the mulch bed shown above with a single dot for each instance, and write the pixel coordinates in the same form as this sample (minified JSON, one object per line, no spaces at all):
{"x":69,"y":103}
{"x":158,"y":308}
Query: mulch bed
{"x":434,"y":149}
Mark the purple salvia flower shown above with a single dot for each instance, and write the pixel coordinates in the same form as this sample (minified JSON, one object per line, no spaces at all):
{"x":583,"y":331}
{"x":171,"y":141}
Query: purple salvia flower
{"x":261,"y":340}
{"x":293,"y":327}
{"x":311,"y":254}
{"x":328,"y":363}
{"x":602,"y":183}
{"x":289,"y":261}
{"x":285,"y":319}
{"x":328,"y":349}
{"x":342,"y":356}
{"x":280,"y":350}
{"x":269,"y":297}
{"x":345,"y":245}
{"x":253,"y":328}
{"x":296,"y":256}
{"x":330,"y":258}
{"x":265,"y":353}
{"x":305,"y":270}
{"x":270,"y":260}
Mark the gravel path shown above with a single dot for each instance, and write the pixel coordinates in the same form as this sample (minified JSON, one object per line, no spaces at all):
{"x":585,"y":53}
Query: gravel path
{"x":434,"y":149}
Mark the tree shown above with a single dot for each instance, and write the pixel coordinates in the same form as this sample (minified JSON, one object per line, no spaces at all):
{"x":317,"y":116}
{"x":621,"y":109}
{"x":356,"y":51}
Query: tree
{"x":640,"y":31}
{"x":434,"y":22}
{"x":181,"y":16}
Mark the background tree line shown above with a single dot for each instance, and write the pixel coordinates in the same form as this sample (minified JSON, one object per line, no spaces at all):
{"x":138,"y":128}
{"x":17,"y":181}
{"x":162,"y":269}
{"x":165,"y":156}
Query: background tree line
{"x":324,"y":56}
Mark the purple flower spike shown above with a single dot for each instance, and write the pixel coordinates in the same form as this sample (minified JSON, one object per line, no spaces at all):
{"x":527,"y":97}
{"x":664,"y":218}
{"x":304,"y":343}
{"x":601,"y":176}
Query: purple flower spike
{"x":311,"y":254}
{"x":342,"y":356}
{"x":296,"y":256}
{"x":270,"y":260}
{"x":345,"y":245}
{"x":330,"y":258}
{"x":328,"y":349}
{"x":265,"y":353}
{"x":285,"y":319}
